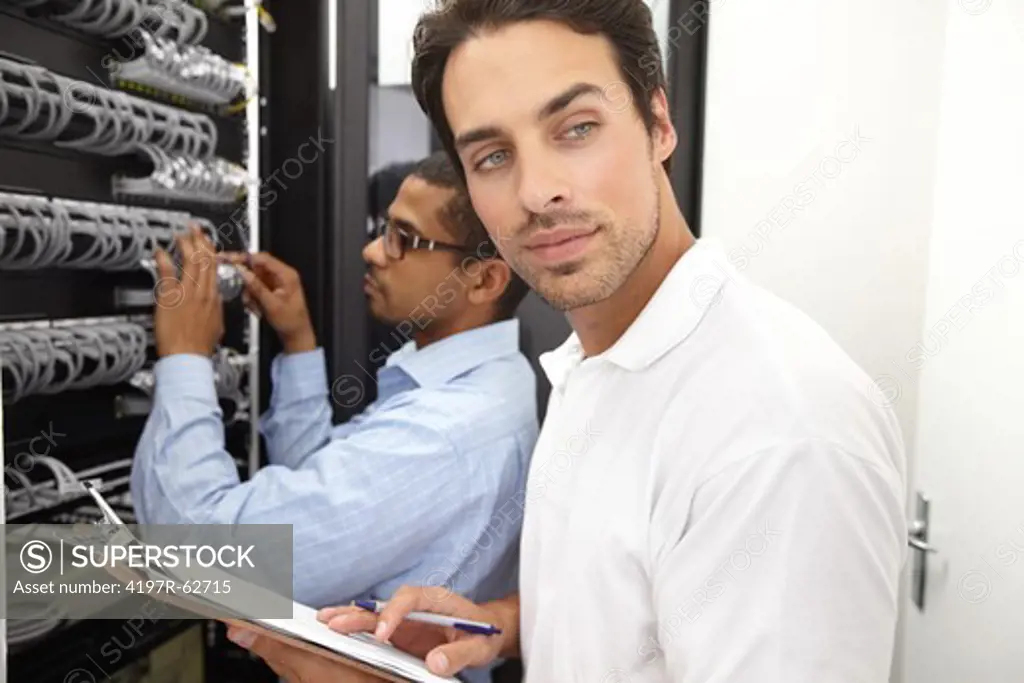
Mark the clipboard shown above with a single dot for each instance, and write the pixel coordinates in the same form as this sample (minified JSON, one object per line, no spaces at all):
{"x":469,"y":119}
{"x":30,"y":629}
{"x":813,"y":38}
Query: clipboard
{"x":361,"y":651}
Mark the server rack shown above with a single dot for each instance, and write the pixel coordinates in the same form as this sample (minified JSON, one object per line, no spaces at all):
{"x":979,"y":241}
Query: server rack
{"x":78,"y":50}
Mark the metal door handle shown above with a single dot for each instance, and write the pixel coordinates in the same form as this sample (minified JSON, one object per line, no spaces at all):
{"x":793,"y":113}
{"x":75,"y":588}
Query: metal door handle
{"x":921,"y":545}
{"x":917,"y":538}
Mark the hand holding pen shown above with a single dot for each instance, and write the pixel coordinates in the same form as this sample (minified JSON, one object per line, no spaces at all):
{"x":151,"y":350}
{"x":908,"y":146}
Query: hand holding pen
{"x":465,"y":625}
{"x":460,"y":642}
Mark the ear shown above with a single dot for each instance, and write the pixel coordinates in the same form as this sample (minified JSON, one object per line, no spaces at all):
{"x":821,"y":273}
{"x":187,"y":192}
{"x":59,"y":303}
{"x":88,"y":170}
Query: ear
{"x":663,"y":135}
{"x":490,"y":282}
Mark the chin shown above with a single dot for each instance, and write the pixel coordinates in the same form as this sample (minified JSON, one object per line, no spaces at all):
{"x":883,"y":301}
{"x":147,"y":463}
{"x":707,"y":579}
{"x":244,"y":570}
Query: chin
{"x":566,"y":291}
{"x":377,"y":312}
{"x":567,"y":268}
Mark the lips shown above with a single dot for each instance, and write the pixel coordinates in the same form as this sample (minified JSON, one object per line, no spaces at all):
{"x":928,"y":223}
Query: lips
{"x":557,"y":236}
{"x":561,"y":244}
{"x":369,"y":284}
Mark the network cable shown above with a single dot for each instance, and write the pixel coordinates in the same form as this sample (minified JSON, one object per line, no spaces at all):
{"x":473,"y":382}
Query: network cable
{"x":172,"y":19}
{"x":47,"y":360}
{"x":37,"y":104}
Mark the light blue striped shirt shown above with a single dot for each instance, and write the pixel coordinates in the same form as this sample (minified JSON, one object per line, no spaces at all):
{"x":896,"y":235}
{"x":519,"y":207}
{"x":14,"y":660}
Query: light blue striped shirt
{"x":426,"y":486}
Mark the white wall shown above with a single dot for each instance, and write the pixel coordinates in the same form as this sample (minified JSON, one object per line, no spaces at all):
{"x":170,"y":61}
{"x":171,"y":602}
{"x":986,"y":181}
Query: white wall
{"x":819,"y":161}
{"x":396,"y":23}
{"x":822,"y":123}
{"x":660,"y":14}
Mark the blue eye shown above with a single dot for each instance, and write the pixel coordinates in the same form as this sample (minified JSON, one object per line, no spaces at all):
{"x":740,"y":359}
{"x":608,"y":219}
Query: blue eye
{"x":580,"y":130}
{"x":493,"y":159}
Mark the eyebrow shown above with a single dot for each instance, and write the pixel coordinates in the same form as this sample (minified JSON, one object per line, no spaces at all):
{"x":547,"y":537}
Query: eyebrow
{"x":405,"y":225}
{"x":553,"y":106}
{"x":477,"y":135}
{"x":560,"y":102}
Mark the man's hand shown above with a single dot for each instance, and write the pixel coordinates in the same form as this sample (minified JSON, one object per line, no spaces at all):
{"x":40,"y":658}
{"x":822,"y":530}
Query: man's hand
{"x":274,"y":290}
{"x":189,"y":315}
{"x":294,"y":664}
{"x":446,"y":650}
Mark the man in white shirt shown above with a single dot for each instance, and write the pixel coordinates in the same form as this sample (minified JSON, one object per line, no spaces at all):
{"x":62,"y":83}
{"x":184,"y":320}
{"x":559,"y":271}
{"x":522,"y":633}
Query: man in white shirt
{"x":717,"y":492}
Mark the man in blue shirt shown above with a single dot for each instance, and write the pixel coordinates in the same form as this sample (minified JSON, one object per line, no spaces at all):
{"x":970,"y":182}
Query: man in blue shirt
{"x":426,"y":485}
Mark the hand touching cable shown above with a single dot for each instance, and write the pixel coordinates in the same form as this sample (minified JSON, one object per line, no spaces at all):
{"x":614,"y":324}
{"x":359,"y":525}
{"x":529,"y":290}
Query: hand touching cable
{"x":273,"y":289}
{"x":189,"y":316}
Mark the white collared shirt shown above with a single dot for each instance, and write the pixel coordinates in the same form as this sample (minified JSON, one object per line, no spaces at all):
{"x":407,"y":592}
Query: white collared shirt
{"x":718,"y":498}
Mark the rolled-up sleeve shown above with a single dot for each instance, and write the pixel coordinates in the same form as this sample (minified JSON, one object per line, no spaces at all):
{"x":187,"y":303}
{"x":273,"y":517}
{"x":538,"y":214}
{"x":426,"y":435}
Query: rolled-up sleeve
{"x":362,"y":508}
{"x":787,"y":572}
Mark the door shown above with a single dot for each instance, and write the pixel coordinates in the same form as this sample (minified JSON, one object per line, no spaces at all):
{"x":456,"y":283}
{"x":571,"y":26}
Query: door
{"x":970,"y":422}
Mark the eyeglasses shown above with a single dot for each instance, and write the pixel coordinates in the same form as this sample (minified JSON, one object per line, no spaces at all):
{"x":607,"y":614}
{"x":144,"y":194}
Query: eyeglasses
{"x":397,"y":241}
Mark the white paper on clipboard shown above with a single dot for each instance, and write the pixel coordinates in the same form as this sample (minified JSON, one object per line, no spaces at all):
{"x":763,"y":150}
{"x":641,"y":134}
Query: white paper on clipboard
{"x":303,"y":630}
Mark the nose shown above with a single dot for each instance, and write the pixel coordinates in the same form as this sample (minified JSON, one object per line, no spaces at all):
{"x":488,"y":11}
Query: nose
{"x":373,"y":253}
{"x":542,"y":182}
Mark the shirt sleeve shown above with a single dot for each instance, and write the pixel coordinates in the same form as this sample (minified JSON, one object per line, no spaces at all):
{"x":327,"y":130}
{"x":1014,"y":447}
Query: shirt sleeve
{"x":363,"y":508}
{"x":298,"y":421}
{"x":787,"y":571}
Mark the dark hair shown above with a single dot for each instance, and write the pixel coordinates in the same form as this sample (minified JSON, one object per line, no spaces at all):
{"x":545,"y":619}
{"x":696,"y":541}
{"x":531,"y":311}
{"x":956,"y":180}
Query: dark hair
{"x":626,"y":23}
{"x":384,"y":186}
{"x":461,"y":220}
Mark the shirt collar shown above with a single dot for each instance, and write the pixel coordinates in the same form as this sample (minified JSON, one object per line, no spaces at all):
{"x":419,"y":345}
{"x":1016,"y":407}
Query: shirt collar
{"x":438,"y":363}
{"x":691,"y":287}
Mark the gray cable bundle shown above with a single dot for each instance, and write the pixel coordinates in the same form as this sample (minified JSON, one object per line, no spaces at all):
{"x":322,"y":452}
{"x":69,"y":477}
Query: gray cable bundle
{"x":49,"y":360}
{"x":181,"y":178}
{"x":230,"y":368}
{"x":38,"y":232}
{"x":121,"y":123}
{"x":21,"y":631}
{"x":173,"y":19}
{"x":64,"y":485}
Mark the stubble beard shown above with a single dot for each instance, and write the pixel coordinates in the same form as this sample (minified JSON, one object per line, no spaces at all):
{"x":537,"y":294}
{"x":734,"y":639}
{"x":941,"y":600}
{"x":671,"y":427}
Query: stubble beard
{"x":591,"y":281}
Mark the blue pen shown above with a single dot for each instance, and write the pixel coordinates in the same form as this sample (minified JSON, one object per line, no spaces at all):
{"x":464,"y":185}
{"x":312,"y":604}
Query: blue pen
{"x":477,"y":627}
